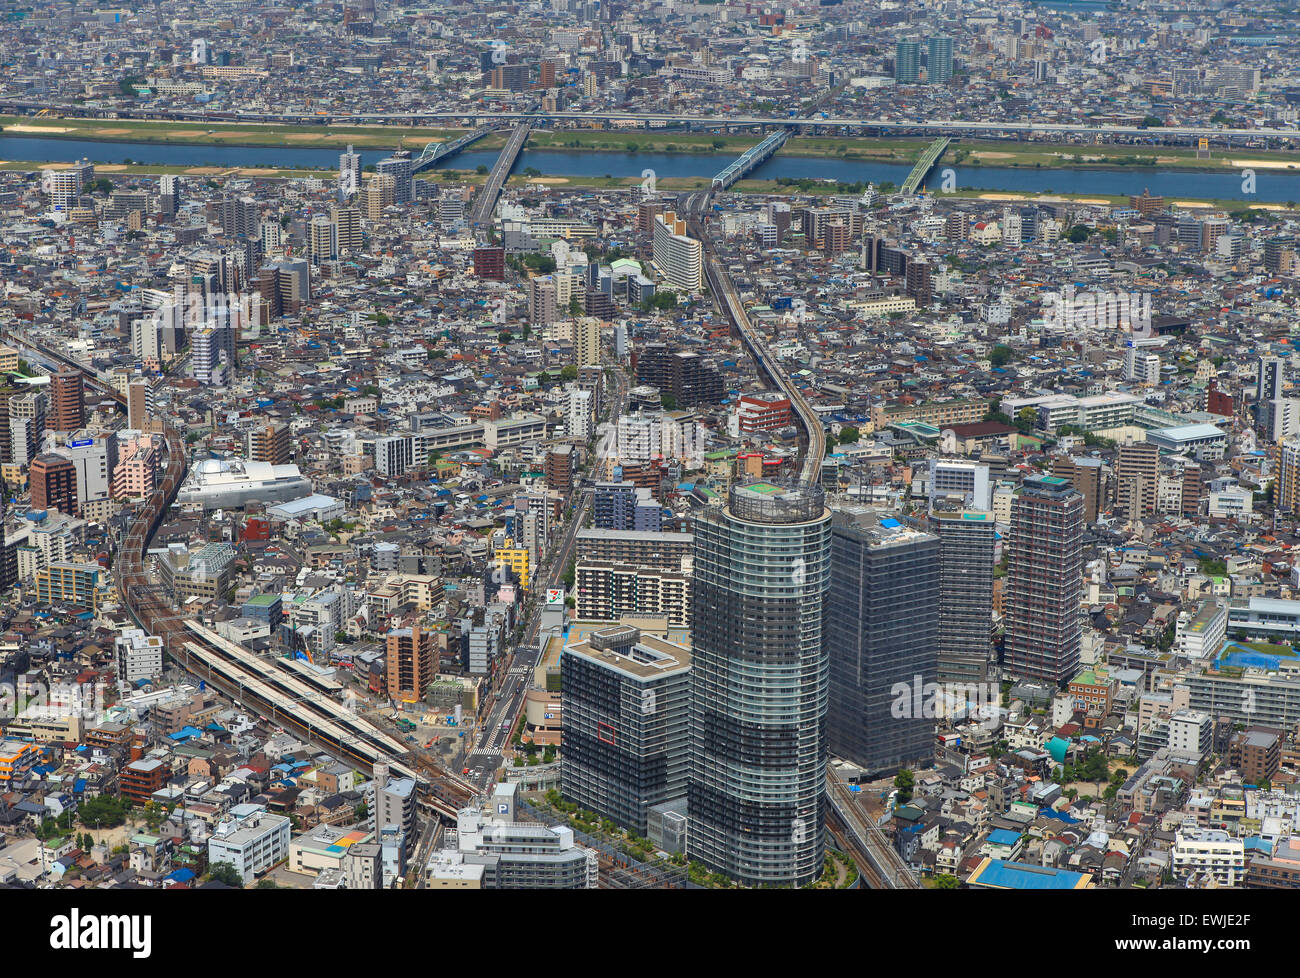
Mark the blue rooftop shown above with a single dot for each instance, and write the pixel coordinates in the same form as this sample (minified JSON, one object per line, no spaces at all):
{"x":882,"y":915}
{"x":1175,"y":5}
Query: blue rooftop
{"x":1002,"y":875}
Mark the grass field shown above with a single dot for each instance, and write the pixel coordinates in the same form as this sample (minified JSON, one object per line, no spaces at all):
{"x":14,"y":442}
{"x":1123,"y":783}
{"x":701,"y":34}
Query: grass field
{"x":233,"y":134}
{"x":997,"y":153}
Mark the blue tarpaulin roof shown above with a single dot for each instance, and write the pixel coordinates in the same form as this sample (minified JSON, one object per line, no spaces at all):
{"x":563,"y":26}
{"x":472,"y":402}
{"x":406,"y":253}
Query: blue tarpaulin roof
{"x":1065,"y":817}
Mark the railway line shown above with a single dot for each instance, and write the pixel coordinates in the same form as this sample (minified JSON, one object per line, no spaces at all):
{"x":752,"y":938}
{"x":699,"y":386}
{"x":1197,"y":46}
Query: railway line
{"x":863,"y":839}
{"x":869,"y":878}
{"x":813,"y":442}
{"x":92,"y":378}
{"x":283,"y":691}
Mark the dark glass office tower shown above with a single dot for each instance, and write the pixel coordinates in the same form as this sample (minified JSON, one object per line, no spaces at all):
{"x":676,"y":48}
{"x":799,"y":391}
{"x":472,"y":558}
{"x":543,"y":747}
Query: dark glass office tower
{"x":882,"y":640}
{"x":967,"y":541}
{"x":626,"y":724}
{"x":758,"y":685}
{"x":1045,"y":581}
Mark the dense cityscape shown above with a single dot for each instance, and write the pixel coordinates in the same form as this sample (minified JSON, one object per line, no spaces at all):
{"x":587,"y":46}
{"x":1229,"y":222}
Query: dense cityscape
{"x":649,"y":445}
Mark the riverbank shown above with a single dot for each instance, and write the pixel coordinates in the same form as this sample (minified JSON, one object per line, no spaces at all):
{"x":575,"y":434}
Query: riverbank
{"x":544,"y":182}
{"x":969,"y":153}
{"x":231,"y":134}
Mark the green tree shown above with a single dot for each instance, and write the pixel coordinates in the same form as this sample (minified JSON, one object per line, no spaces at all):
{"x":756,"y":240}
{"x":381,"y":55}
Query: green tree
{"x":568,"y":373}
{"x":1078,"y":234}
{"x":1001,"y":355}
{"x":103,"y":812}
{"x":904,"y":781}
{"x":849,"y":434}
{"x":946,"y":881}
{"x":1026,"y":419}
{"x":225,"y":873}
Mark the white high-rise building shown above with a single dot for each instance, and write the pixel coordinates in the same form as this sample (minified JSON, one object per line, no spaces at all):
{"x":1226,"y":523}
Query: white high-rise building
{"x":1141,"y":366}
{"x":677,"y":258}
{"x":960,"y":477}
{"x":139,"y":655}
{"x":205,"y":357}
{"x":349,"y":174}
{"x":251,"y":839}
{"x":579,"y":413}
{"x":94,"y":458}
{"x":1011,"y":227}
{"x":146,"y":338}
{"x":64,"y":185}
{"x":394,"y":455}
{"x":272,"y":238}
{"x":1282,"y":418}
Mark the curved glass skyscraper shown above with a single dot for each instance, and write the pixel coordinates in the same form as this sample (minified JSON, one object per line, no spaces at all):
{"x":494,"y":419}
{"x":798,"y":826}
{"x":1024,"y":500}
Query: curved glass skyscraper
{"x":759,"y":685}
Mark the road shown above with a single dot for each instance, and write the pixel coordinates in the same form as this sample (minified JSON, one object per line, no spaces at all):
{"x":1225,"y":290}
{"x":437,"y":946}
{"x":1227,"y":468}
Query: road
{"x":487,"y":198}
{"x":1180,"y":135}
{"x":493,"y":735}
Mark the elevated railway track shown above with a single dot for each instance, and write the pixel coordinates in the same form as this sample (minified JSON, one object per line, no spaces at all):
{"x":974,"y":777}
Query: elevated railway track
{"x":813,"y":438}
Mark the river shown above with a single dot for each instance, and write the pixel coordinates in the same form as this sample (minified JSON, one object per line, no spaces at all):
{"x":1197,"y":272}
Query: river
{"x":1270,"y":185}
